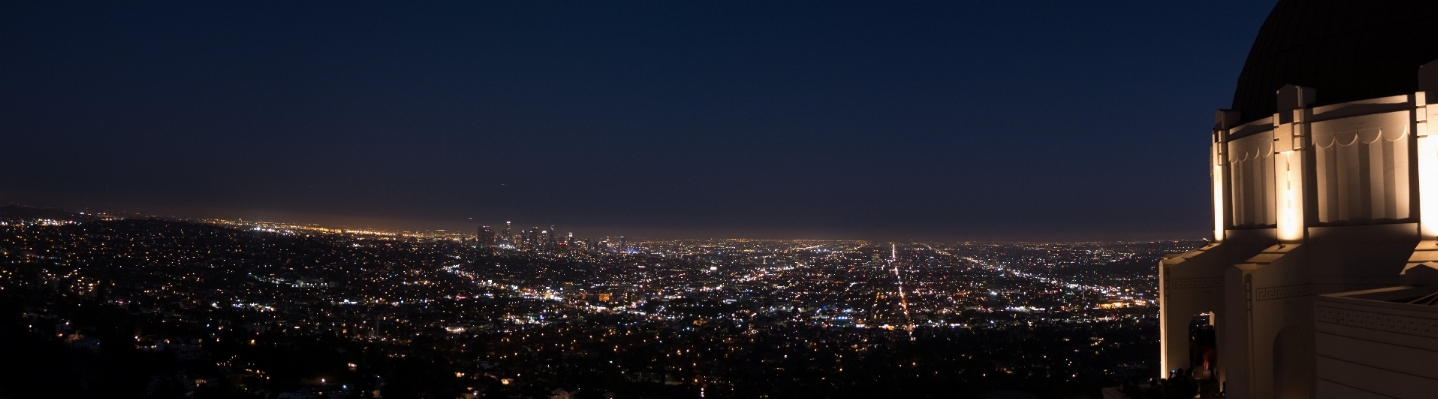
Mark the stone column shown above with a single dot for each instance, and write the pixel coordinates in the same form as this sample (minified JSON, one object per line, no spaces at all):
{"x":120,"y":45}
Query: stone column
{"x":1223,"y":120}
{"x":1291,"y":149}
{"x":1427,"y":152}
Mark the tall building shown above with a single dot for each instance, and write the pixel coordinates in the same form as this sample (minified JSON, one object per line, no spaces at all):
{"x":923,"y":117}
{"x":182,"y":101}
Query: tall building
{"x":1321,"y":277}
{"x":485,"y":238}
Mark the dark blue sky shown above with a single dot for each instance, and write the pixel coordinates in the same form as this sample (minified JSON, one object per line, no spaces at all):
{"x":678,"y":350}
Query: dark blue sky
{"x":946,"y":120}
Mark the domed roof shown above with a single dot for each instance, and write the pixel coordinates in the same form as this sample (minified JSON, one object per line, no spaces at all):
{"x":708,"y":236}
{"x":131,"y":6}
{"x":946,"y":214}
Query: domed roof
{"x":1348,"y":50}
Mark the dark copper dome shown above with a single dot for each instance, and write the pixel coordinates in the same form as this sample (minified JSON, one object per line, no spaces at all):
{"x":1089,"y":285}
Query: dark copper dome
{"x":1348,"y":50}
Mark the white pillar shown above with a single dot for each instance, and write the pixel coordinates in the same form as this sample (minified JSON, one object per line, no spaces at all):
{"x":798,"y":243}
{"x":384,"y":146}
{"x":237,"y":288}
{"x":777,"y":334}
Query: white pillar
{"x":1427,"y":171}
{"x":1166,"y":343}
{"x":1427,"y":153}
{"x":1218,"y":170}
{"x":1216,"y":174}
{"x":1290,"y":147}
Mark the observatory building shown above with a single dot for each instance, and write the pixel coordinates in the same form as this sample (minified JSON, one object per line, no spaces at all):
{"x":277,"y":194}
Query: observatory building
{"x":1322,"y":277}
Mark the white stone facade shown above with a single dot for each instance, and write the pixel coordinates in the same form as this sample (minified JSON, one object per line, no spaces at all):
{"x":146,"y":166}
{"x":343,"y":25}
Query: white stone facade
{"x":1314,"y":207}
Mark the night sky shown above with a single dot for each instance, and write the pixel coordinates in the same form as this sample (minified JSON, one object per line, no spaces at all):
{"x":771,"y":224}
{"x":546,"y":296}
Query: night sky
{"x":998,"y":120}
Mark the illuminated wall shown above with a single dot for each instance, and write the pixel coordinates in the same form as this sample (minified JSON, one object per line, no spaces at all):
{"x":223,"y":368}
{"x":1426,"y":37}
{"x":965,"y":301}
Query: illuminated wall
{"x":1308,"y":201}
{"x":1251,"y":165}
{"x":1362,"y":168}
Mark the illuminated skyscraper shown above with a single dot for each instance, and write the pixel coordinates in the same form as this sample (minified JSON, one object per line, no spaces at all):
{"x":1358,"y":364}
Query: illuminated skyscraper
{"x":485,"y":238}
{"x":1319,"y":276}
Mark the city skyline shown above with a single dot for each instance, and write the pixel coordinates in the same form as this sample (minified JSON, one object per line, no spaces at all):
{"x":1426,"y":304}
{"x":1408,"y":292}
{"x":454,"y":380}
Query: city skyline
{"x":568,"y":233}
{"x":252,"y":309}
{"x":835,"y":120}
